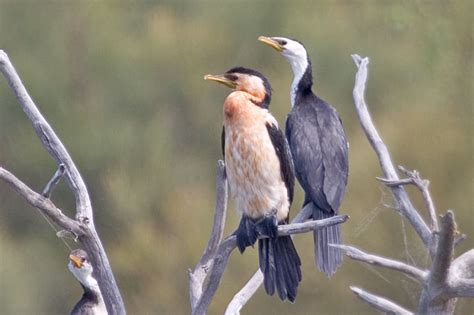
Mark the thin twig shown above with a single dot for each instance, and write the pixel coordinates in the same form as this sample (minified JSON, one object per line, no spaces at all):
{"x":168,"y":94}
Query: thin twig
{"x":380,"y":303}
{"x":356,"y":254}
{"x":422,"y":185}
{"x":54,"y":181}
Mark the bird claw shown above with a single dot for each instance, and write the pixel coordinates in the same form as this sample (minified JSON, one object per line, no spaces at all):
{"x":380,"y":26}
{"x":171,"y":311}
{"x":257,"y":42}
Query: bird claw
{"x":267,"y":226}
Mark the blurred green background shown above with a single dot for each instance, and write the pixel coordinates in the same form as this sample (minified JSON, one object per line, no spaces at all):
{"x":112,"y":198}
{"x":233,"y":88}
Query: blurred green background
{"x":121,"y":83}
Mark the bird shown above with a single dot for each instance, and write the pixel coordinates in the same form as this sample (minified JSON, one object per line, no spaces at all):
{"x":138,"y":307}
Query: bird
{"x":319,"y":149}
{"x":260,"y":173}
{"x":92,"y":302}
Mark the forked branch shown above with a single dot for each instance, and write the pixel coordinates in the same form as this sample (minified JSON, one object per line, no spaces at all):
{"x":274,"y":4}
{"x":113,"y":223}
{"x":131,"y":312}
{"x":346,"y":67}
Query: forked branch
{"x":83,"y":225}
{"x":446,"y":279}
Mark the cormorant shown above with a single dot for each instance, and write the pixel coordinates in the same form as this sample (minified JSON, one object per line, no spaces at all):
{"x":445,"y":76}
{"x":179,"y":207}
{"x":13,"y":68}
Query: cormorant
{"x":261,"y":177}
{"x":91,"y":302}
{"x":319,"y":149}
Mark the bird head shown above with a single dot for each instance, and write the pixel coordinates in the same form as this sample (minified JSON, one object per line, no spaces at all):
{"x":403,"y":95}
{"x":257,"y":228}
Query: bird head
{"x":291,"y":49}
{"x":80,"y":266}
{"x":246,"y":80}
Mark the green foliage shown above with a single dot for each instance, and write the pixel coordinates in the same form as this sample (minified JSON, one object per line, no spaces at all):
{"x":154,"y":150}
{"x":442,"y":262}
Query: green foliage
{"x":121,"y":83}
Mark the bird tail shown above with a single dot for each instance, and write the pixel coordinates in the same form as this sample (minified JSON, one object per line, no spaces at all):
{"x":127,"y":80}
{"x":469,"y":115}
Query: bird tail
{"x":328,"y":259}
{"x":280,"y":265}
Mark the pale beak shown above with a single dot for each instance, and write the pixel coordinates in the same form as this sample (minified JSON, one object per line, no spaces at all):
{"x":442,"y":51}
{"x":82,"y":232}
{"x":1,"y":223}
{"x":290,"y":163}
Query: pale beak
{"x":76,"y":261}
{"x":221,"y":79}
{"x":272,"y":43}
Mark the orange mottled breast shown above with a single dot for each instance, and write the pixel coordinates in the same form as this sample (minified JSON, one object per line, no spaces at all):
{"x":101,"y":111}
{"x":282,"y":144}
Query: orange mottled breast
{"x":253,"y":168}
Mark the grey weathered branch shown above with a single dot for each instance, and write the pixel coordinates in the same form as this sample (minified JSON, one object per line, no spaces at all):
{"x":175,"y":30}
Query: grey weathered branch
{"x":87,"y":233}
{"x":414,"y":178}
{"x":43,"y":204}
{"x":197,"y":277}
{"x":54,"y":181}
{"x":205,"y":278}
{"x":433,"y":298}
{"x":446,"y":279}
{"x":403,"y":200}
{"x":356,"y":254}
{"x":380,"y":303}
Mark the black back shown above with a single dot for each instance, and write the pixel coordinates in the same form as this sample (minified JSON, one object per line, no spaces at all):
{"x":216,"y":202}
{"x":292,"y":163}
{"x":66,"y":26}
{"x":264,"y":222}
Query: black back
{"x":320,"y":151}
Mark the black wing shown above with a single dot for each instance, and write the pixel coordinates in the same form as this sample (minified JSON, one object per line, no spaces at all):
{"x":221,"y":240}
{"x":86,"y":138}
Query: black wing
{"x":335,"y":157}
{"x":283,"y":153}
{"x":319,"y":148}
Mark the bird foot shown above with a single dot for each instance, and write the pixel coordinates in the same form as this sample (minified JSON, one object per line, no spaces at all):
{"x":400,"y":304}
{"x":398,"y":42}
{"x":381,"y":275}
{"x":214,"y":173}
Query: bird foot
{"x":267,"y":226}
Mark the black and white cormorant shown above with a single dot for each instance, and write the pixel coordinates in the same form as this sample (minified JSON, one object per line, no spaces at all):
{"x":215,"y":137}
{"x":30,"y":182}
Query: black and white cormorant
{"x":319,"y":148}
{"x":261,"y":177}
{"x":91,"y":302}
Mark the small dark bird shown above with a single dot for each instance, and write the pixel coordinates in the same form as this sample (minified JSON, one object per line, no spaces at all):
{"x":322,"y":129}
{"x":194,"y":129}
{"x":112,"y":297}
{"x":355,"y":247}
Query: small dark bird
{"x":91,"y":302}
{"x":261,"y":177}
{"x":319,"y":149}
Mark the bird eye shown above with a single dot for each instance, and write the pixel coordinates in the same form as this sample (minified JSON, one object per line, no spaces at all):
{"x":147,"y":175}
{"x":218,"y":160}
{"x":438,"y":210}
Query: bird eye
{"x":231,"y":77}
{"x":83,"y":259}
{"x":282,"y":42}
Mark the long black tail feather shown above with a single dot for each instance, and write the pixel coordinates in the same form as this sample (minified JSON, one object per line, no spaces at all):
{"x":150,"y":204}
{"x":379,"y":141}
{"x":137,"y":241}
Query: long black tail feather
{"x":328,"y":259}
{"x":281,"y":266}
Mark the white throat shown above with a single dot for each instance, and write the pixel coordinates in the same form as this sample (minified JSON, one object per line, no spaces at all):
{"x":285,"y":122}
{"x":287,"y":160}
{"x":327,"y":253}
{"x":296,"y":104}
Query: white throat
{"x":298,"y":65}
{"x":92,"y":284}
{"x":87,"y":280}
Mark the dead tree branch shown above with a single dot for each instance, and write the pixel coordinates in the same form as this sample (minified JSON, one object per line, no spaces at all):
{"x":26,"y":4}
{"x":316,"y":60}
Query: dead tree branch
{"x":205,"y":278}
{"x":405,"y":206}
{"x":380,"y":303}
{"x":356,"y":254}
{"x":446,"y":280}
{"x":83,"y":225}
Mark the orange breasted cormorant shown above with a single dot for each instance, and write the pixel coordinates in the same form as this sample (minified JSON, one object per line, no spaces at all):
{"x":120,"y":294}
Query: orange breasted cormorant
{"x":261,"y":177}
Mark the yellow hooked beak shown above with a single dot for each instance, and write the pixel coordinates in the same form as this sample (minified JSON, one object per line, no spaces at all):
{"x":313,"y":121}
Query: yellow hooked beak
{"x":221,"y":79}
{"x":76,"y":261}
{"x":271,"y":42}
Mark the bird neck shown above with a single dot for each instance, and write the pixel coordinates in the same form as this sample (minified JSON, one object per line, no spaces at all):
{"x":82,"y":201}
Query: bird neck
{"x":92,"y":290}
{"x":302,"y":77}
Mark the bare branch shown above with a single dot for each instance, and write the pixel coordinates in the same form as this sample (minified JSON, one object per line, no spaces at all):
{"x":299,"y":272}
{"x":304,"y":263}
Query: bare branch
{"x":84,"y":214}
{"x":41,"y":203}
{"x":399,"y":193}
{"x":244,"y":295}
{"x":49,"y":139}
{"x":356,"y":254}
{"x":198,"y":276}
{"x":380,"y":303}
{"x":444,"y":252}
{"x":54,"y":181}
{"x":432,"y":298}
